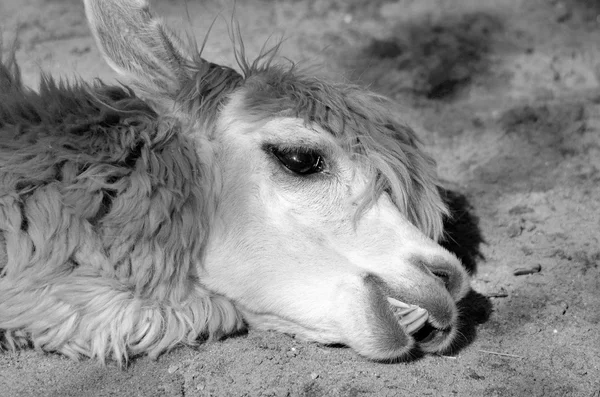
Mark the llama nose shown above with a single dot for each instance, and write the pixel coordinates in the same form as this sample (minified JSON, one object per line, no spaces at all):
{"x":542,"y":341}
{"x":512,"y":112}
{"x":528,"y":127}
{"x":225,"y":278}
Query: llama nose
{"x":448,"y":271}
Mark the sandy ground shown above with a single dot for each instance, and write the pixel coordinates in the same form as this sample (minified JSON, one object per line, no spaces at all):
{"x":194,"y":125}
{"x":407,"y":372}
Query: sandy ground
{"x":506,"y":95}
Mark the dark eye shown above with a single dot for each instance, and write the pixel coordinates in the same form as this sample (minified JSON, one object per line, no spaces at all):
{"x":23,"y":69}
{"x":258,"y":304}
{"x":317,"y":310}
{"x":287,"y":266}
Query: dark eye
{"x":301,"y":161}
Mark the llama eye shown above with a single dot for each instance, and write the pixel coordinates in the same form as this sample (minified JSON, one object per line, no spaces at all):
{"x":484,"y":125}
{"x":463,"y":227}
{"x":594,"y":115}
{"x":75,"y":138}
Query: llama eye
{"x":301,"y":161}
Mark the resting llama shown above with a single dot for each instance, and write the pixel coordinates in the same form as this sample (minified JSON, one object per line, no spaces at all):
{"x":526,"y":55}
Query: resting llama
{"x":199,"y":200}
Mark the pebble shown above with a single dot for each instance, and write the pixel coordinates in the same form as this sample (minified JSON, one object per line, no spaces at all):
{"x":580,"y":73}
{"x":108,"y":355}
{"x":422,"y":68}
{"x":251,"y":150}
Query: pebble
{"x":514,"y":230}
{"x":563,"y":13}
{"x":530,"y":270}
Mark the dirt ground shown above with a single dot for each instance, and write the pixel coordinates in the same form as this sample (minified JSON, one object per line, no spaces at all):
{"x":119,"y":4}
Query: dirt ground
{"x":505,"y":94}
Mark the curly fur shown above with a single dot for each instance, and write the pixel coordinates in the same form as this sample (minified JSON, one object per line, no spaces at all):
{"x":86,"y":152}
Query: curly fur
{"x":104,"y":212}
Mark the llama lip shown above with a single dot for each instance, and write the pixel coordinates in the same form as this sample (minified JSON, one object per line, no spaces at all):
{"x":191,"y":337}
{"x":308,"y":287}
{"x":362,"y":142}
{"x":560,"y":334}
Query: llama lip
{"x":411,"y":317}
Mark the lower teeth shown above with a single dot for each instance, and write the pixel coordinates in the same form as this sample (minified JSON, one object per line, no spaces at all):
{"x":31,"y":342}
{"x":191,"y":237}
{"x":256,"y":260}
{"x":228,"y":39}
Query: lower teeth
{"x":411,"y":317}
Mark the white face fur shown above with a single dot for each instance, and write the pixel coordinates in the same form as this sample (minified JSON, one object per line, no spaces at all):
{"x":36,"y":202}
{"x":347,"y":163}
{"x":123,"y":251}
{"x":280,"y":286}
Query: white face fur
{"x":287,"y":250}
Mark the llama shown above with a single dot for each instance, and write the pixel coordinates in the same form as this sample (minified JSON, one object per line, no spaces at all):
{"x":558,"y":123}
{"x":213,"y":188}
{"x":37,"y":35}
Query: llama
{"x":198,"y":200}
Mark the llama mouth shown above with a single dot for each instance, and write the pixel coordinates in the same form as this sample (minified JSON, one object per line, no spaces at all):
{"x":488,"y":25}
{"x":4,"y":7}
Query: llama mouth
{"x":415,"y":320}
{"x":411,"y":317}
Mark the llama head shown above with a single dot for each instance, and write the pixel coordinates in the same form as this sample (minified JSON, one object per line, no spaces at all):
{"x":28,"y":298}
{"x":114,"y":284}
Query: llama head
{"x":326,"y":211}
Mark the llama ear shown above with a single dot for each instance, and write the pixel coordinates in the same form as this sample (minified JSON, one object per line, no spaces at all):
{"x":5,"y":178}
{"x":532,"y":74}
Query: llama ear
{"x":138,"y":46}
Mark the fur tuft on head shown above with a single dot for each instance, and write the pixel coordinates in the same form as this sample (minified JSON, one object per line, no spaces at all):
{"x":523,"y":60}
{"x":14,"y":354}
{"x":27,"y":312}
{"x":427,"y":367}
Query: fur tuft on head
{"x":366,"y":123}
{"x":368,"y":127}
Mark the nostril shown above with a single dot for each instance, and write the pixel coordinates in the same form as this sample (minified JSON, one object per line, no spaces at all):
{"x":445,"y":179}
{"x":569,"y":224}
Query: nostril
{"x":445,"y":277}
{"x":444,"y":269}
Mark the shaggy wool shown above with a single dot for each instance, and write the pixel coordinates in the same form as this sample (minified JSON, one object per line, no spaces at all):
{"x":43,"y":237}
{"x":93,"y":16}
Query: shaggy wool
{"x":104,"y":213}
